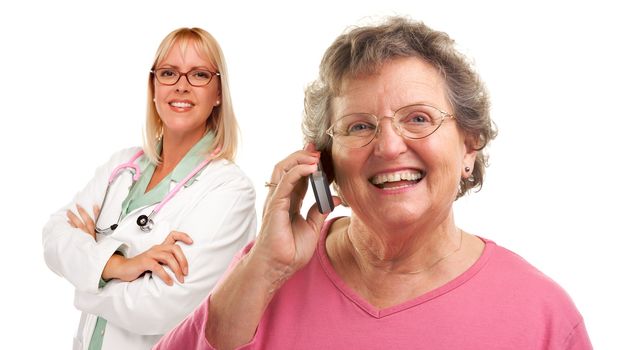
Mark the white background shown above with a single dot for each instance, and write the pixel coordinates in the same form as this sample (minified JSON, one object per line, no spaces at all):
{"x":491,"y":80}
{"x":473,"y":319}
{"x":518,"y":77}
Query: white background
{"x":73,"y":85}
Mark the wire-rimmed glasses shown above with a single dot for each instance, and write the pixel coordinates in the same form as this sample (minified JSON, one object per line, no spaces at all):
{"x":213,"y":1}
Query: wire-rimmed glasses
{"x":195,"y":77}
{"x":414,"y":121}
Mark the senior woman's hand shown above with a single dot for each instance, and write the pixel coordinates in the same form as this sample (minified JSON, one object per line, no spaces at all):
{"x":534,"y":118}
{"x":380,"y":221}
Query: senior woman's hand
{"x":306,"y":156}
{"x":284,"y":245}
{"x":286,"y":237}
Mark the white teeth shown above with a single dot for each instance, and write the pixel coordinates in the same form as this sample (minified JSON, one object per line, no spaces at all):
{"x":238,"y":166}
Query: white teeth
{"x":181,"y":104}
{"x":398,"y":176}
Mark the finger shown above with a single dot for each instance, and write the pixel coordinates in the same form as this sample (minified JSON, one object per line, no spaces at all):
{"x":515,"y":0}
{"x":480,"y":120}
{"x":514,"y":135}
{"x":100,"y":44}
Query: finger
{"x":176,"y":250}
{"x":167,"y":258}
{"x":74,"y":221}
{"x":283,"y":195}
{"x":310,"y":147}
{"x":301,"y":188}
{"x":69,"y":219}
{"x":157,"y":269}
{"x":175,"y":236}
{"x":96,"y":211}
{"x":86,"y":219}
{"x":308,"y":155}
{"x":296,"y":158}
{"x":298,"y":195}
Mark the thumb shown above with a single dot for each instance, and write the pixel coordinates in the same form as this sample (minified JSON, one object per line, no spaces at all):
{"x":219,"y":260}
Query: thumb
{"x":315,"y":219}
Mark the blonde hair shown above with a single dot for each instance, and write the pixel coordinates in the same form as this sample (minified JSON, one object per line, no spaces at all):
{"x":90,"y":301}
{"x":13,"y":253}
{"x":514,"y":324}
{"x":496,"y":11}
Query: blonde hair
{"x":222,"y":121}
{"x":363,"y":50}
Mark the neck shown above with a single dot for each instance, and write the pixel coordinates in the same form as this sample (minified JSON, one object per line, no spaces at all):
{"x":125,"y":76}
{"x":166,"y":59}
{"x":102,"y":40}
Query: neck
{"x":409,"y":251}
{"x":176,"y":145}
{"x":390,"y":267}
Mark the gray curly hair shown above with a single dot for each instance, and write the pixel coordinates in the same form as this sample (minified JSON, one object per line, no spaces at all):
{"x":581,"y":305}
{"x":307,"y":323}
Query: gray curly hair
{"x":363,"y":50}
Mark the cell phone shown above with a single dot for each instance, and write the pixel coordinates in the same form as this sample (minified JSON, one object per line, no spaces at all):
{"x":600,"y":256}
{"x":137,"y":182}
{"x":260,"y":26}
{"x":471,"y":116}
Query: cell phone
{"x":320,"y":186}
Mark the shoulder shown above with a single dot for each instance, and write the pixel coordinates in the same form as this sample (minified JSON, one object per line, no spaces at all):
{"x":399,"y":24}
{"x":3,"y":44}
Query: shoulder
{"x":123,"y":155}
{"x":525,"y":282}
{"x":221,"y":174}
{"x":226,"y":167}
{"x":510,"y":264}
{"x":119,"y":157}
{"x":511,"y":286}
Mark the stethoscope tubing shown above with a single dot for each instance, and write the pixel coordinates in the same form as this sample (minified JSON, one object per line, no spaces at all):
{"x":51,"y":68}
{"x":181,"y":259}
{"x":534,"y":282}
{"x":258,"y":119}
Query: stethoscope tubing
{"x":123,"y":167}
{"x":145,"y":222}
{"x":182,"y":184}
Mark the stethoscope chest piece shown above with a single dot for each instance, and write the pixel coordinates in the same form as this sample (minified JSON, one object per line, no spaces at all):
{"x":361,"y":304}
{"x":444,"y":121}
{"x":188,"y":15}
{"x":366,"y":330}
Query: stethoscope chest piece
{"x":145,"y":223}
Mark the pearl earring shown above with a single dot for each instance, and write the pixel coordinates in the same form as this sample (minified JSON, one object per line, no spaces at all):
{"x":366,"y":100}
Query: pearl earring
{"x":467,"y":169}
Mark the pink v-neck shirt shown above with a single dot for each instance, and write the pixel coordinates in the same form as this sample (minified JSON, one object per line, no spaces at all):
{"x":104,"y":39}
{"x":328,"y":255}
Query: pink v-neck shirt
{"x":501,"y":302}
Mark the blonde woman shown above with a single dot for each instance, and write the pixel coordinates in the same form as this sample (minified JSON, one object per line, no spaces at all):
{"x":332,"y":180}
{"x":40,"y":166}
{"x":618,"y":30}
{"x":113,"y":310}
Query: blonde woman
{"x":155,"y":228}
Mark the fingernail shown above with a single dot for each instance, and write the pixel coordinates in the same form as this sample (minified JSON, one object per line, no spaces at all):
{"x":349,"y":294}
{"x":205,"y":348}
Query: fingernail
{"x":186,"y":270}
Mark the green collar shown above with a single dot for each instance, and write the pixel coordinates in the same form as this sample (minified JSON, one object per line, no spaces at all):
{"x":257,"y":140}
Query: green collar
{"x":137,"y":196}
{"x":192,"y":158}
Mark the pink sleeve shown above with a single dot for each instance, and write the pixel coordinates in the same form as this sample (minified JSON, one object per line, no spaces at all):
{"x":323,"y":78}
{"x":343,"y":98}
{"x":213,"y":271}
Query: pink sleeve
{"x":578,"y":338}
{"x":190,"y":333}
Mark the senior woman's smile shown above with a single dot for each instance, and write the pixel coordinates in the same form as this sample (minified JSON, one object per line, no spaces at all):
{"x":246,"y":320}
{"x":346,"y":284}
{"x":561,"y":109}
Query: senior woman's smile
{"x":397,"y":180}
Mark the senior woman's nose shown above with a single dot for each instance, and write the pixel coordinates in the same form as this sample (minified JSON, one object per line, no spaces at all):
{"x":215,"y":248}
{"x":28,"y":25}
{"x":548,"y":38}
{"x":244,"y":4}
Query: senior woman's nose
{"x":389,"y":143}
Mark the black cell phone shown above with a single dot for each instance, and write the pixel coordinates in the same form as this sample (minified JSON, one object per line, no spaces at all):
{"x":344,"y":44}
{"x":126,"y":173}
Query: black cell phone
{"x":320,"y":186}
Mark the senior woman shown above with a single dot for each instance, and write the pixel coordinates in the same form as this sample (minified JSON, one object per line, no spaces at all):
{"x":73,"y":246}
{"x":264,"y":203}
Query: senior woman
{"x":405,"y":120}
{"x":154,"y":230}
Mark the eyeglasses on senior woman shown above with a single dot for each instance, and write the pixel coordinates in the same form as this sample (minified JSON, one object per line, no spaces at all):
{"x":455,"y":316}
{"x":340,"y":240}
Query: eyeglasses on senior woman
{"x":195,"y":77}
{"x":415,"y":121}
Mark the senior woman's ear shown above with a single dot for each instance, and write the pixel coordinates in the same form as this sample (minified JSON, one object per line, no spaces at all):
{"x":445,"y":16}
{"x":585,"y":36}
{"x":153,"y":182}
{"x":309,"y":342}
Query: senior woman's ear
{"x":328,"y":168}
{"x":471,"y":149}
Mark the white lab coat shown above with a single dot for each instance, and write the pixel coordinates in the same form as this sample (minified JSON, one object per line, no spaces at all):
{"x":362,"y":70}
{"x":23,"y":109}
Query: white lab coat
{"x":217,"y":211}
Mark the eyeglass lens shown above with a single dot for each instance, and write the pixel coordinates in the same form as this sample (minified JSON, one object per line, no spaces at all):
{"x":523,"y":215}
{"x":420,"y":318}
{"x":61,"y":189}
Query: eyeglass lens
{"x":196,"y":77}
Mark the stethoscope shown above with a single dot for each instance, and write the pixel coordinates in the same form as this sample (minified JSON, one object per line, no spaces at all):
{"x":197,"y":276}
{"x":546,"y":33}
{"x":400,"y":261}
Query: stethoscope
{"x":146,"y":222}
